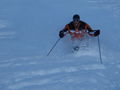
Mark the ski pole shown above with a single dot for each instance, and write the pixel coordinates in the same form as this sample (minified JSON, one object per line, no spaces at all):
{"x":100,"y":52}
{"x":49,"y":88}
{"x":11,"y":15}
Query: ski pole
{"x":53,"y":46}
{"x":99,"y":50}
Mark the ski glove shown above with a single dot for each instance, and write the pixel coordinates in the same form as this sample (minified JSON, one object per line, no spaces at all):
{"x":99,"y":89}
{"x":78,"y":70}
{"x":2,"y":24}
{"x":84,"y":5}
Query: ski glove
{"x":96,"y":33}
{"x":61,"y":34}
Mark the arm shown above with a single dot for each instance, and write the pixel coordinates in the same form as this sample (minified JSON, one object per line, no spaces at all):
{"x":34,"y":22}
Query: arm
{"x":92,"y":32}
{"x":87,"y":27}
{"x":65,"y":29}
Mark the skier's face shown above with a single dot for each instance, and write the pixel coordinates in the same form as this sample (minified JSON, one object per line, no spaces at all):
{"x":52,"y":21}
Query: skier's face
{"x":76,"y":21}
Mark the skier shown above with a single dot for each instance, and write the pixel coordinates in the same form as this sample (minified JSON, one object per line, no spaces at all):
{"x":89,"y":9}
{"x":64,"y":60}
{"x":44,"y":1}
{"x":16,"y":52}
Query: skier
{"x":77,"y":29}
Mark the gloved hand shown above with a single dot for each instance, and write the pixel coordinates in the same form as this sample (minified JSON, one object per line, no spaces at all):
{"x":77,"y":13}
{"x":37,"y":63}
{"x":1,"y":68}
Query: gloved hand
{"x":96,"y":33}
{"x":61,"y":34}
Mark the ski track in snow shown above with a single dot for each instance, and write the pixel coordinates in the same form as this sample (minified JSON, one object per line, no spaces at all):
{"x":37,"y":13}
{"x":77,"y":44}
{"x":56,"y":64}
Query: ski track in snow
{"x":5,"y":34}
{"x":3,"y":24}
{"x":19,"y":77}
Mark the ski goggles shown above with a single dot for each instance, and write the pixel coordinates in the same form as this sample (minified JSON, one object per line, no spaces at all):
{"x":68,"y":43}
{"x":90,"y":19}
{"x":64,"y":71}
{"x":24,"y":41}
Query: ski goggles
{"x":76,"y":20}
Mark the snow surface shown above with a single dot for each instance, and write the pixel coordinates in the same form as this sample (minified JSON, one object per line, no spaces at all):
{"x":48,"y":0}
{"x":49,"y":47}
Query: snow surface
{"x":28,"y":30}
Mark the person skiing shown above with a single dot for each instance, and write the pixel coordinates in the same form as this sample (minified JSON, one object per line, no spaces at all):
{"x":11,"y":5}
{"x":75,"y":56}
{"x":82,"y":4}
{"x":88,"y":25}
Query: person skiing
{"x":77,"y":29}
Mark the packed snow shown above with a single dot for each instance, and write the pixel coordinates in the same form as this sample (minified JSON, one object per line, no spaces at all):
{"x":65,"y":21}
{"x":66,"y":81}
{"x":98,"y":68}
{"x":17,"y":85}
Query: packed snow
{"x":29,"y":29}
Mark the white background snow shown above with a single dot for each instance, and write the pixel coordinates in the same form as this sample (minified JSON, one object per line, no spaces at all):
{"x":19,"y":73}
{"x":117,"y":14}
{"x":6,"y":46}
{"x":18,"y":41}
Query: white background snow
{"x":28,"y":30}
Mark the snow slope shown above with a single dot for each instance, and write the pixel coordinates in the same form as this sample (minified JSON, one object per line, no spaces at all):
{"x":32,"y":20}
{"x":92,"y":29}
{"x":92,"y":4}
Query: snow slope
{"x":28,"y":30}
{"x":33,"y":73}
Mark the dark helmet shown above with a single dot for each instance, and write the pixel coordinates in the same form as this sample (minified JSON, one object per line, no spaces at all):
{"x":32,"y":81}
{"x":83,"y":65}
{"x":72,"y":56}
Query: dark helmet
{"x":76,"y":17}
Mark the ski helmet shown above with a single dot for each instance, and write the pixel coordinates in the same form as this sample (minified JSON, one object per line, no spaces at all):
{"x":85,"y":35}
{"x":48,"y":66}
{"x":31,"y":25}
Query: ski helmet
{"x":76,"y":17}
